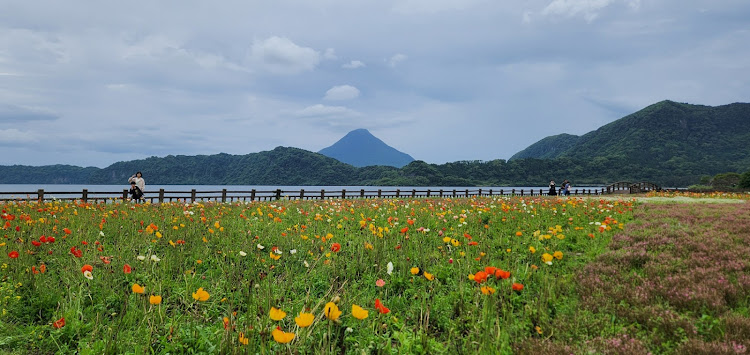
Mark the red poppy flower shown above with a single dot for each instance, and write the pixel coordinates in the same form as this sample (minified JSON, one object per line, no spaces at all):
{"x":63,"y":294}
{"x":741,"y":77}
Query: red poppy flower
{"x":473,"y":243}
{"x":43,"y":268}
{"x":335,"y":247}
{"x":105,"y":259}
{"x":50,"y":239}
{"x":66,"y":230}
{"x":34,"y":270}
{"x":87,"y":267}
{"x":35,"y":243}
{"x":517,"y":287}
{"x":404,"y":230}
{"x":502,"y":274}
{"x":490,"y":270}
{"x":43,"y":239}
{"x":59,"y":323}
{"x":13,"y":254}
{"x":76,"y":252}
{"x":467,"y":235}
{"x":381,"y":307}
{"x":126,"y":269}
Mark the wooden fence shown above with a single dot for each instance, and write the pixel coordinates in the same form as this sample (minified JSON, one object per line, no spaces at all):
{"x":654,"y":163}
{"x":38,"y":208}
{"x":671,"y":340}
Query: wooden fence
{"x":226,"y":195}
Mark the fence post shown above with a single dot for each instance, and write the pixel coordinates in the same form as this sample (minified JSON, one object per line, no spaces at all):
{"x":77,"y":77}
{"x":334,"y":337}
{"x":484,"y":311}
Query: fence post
{"x":192,"y":195}
{"x":467,"y":192}
{"x":480,"y":192}
{"x":441,"y":193}
{"x":379,"y":193}
{"x":454,"y":192}
{"x":223,"y":195}
{"x":343,"y":193}
{"x":302,"y":194}
{"x":322,"y":194}
{"x":362,"y":193}
{"x":513,"y":191}
{"x":490,"y":192}
{"x":398,"y":193}
{"x":161,"y":195}
{"x":521,"y":192}
{"x":124,"y":194}
{"x":428,"y":192}
{"x":252,"y":195}
{"x":501,"y":192}
{"x":278,"y":194}
{"x":40,"y":195}
{"x":413,"y":193}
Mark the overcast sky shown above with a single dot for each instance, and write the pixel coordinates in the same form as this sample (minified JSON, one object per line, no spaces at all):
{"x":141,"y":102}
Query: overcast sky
{"x":91,"y":83}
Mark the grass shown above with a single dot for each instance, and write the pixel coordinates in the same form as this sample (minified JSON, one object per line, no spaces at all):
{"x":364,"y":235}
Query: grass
{"x":305,"y":256}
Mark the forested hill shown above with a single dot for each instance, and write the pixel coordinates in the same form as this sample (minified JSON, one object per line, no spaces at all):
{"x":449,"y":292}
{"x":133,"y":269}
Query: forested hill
{"x":668,"y":143}
{"x":680,"y":138}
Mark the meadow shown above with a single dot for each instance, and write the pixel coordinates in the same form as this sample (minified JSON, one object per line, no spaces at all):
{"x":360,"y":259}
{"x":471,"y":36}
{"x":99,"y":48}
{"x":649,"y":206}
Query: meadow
{"x":451,"y":275}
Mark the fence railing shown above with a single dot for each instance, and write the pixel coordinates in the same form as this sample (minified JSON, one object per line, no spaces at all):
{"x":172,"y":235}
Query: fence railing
{"x":226,"y":195}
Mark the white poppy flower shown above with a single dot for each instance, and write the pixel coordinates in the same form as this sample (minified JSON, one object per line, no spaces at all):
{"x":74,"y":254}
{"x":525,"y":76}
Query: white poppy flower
{"x":141,"y":257}
{"x":242,"y":253}
{"x":88,"y":275}
{"x":389,"y":268}
{"x":260,"y":247}
{"x":154,"y":258}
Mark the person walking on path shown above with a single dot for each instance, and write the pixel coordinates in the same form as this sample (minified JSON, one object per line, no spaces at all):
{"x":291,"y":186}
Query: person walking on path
{"x":138,"y":179}
{"x":552,"y":188}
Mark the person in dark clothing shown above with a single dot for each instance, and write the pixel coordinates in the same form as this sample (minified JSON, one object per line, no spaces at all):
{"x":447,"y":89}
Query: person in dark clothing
{"x":566,"y":188}
{"x":135,"y":192}
{"x":552,"y":189}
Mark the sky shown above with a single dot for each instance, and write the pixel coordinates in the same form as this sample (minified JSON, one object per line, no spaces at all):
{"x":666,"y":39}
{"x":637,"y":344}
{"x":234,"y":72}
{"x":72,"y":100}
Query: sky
{"x":92,"y":83}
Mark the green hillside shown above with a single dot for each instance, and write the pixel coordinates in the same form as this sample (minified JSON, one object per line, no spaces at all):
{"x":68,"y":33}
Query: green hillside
{"x":548,"y":148}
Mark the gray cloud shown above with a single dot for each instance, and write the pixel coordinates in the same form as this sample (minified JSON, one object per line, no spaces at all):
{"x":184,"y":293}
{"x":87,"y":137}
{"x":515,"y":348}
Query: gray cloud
{"x":442,"y":80}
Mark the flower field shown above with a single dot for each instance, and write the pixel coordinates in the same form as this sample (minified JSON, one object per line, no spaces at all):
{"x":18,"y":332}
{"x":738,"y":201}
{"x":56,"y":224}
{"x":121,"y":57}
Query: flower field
{"x":479,"y":275}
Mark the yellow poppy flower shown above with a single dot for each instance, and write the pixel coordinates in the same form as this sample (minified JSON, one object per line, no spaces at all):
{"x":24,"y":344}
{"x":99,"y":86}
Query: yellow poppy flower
{"x":243,"y":340}
{"x":276,"y":314}
{"x":274,"y":256}
{"x":487,"y":290}
{"x":414,"y":270}
{"x":547,"y":258}
{"x":532,"y":250}
{"x":332,"y":311}
{"x":429,"y":276}
{"x":138,"y":288}
{"x":282,"y":337}
{"x":304,"y":319}
{"x":154,"y":299}
{"x":201,"y":295}
{"x":558,"y":255}
{"x":358,"y":312}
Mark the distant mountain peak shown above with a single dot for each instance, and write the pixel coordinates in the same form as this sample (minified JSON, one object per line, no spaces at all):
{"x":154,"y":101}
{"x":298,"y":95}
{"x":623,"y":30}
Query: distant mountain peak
{"x":360,"y":148}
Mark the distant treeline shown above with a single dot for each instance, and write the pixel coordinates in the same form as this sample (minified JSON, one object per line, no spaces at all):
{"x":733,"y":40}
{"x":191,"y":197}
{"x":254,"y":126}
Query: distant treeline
{"x":297,"y":167}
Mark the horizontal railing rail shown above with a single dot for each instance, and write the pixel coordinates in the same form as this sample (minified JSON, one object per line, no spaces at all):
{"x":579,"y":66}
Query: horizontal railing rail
{"x":226,"y":195}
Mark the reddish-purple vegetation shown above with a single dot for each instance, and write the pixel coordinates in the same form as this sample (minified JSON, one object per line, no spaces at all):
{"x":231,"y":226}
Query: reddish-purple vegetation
{"x":676,"y":281}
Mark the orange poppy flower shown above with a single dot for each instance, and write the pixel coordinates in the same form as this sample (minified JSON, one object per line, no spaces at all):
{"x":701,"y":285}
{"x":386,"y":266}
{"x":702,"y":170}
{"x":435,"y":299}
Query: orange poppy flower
{"x":381,"y":307}
{"x":126,"y":269}
{"x":502,"y":274}
{"x":335,"y":247}
{"x":517,"y":287}
{"x":480,"y":277}
{"x":282,"y":337}
{"x":87,"y":267}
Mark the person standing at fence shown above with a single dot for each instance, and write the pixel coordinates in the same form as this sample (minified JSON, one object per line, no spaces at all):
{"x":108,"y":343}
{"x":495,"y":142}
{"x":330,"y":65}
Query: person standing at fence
{"x":138,"y":179}
{"x":566,"y":188}
{"x":552,"y":188}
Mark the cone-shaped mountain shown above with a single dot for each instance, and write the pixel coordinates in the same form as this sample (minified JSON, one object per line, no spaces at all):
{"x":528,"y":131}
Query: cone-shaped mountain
{"x":360,"y":148}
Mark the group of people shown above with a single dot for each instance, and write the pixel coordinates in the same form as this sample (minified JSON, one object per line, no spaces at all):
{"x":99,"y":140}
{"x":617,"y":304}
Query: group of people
{"x":564,"y":190}
{"x":137,"y":186}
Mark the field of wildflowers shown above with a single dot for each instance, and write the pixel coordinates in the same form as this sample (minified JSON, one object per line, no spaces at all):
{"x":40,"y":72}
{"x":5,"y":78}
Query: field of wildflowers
{"x":466,"y":275}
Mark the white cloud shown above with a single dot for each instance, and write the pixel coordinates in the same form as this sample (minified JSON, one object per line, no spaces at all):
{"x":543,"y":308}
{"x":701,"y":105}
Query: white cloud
{"x":342,"y":92}
{"x":280,"y":55}
{"x":14,"y":136}
{"x":319,"y":110}
{"x":354,"y":64}
{"x":397,"y":59}
{"x":589,"y":9}
{"x":330,"y":54}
